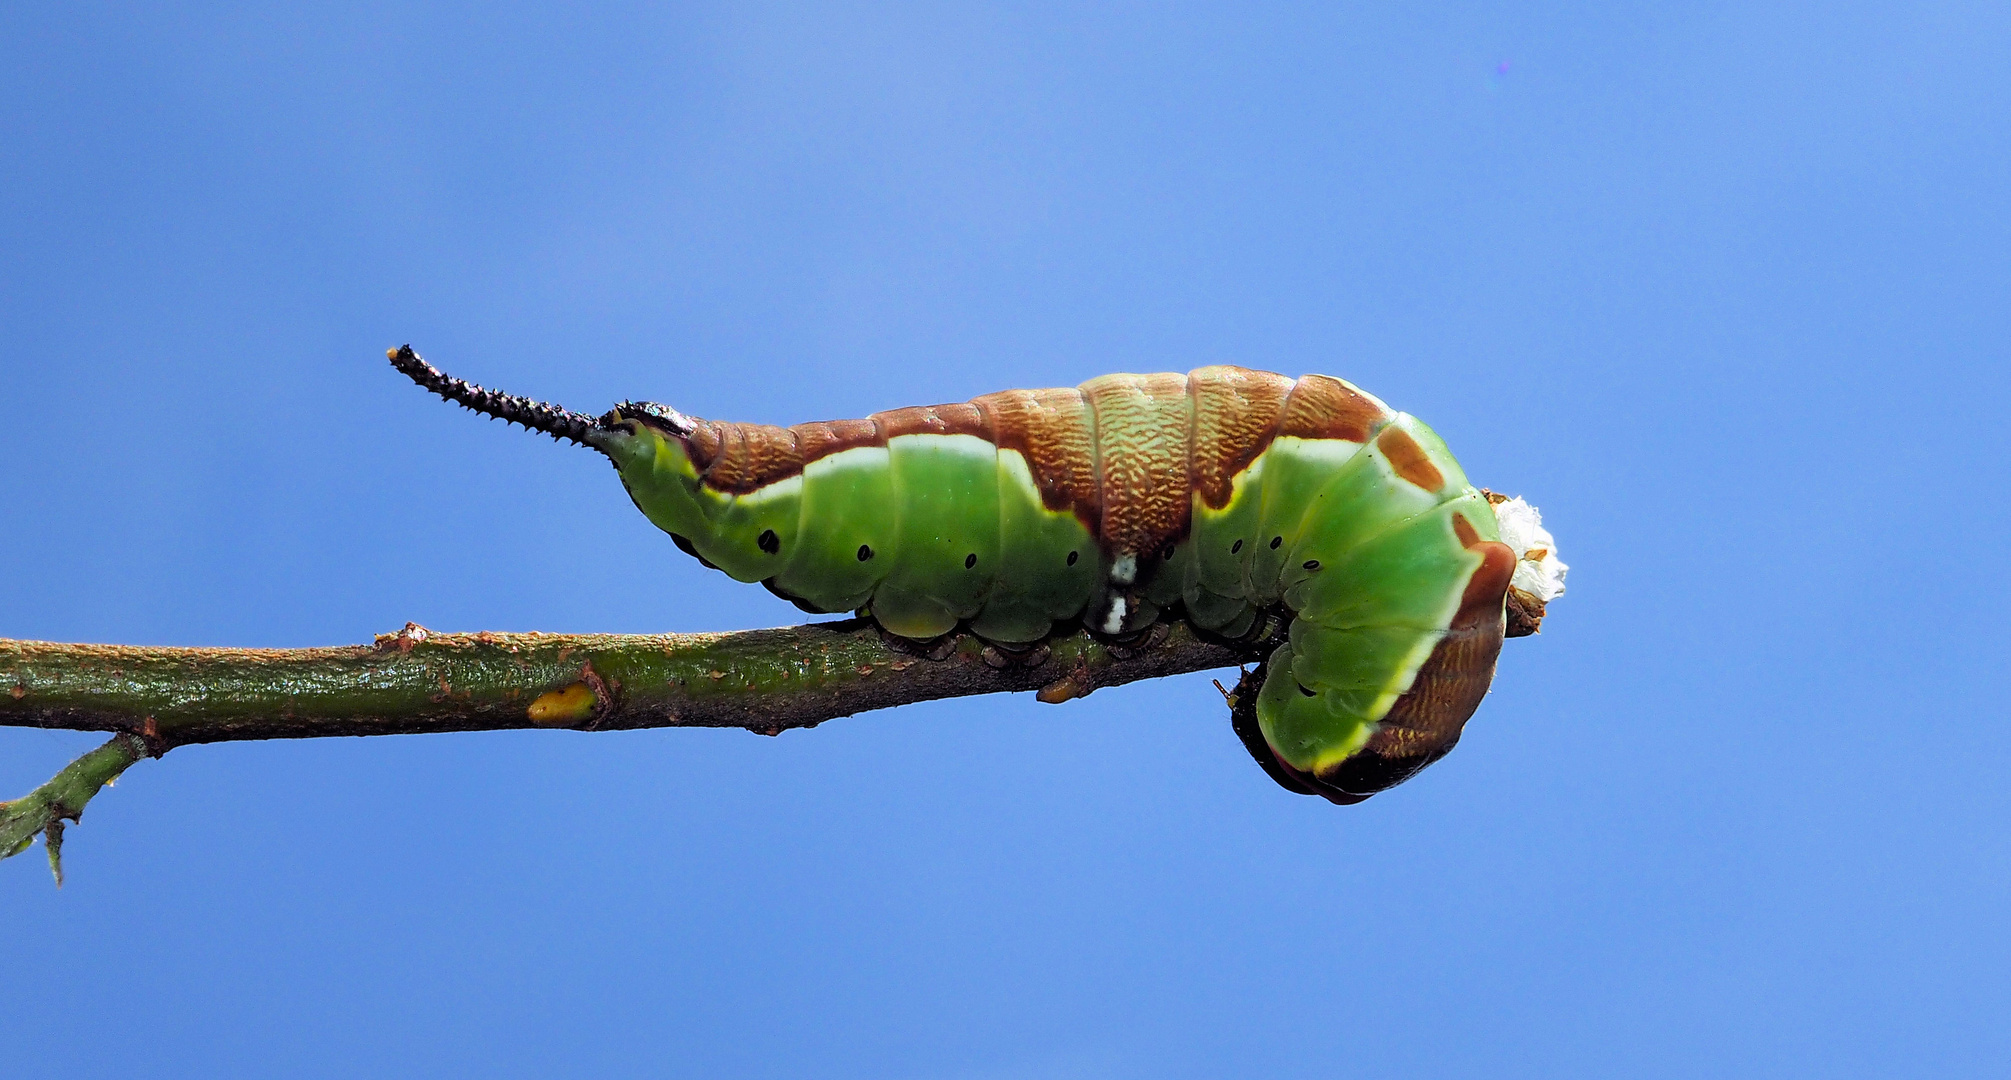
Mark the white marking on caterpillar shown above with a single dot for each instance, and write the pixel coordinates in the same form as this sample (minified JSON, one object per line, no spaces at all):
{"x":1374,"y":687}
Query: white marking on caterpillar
{"x":1125,"y":570}
{"x":1114,"y":622}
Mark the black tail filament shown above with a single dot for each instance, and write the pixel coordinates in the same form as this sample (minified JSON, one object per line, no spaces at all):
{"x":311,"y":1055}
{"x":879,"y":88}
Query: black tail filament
{"x":537,"y":415}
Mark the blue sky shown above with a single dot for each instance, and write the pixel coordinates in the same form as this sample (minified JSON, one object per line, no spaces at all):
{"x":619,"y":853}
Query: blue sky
{"x":1721,"y":287}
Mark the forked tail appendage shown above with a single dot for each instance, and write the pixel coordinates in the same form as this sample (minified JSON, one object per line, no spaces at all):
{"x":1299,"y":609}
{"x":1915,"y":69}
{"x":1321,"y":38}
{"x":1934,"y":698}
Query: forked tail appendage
{"x":557,"y":422}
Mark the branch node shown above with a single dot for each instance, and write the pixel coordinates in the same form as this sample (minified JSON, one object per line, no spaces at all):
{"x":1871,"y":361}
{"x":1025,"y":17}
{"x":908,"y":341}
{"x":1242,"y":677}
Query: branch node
{"x":150,"y":736}
{"x":603,"y":697}
{"x":403,"y":640}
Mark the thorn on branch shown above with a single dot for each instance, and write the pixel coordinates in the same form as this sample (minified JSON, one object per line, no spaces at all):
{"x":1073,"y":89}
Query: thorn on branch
{"x":52,"y":839}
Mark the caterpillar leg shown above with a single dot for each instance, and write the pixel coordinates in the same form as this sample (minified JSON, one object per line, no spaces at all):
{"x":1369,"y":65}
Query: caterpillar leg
{"x":1000,"y":656}
{"x":1126,"y":646}
{"x":939,"y":647}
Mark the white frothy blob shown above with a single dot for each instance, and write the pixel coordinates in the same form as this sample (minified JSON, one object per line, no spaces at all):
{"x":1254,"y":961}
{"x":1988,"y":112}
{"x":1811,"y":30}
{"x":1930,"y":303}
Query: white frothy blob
{"x":1538,"y":570}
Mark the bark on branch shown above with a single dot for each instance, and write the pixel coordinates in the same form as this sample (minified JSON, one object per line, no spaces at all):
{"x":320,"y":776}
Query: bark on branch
{"x":415,"y":681}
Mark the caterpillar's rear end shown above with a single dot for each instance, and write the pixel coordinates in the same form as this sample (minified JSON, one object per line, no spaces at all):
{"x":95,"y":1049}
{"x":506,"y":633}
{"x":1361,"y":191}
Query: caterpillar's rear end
{"x":1224,"y":496}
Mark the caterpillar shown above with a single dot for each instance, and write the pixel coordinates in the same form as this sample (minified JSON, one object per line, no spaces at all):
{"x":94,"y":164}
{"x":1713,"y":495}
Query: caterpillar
{"x":1237,"y":499}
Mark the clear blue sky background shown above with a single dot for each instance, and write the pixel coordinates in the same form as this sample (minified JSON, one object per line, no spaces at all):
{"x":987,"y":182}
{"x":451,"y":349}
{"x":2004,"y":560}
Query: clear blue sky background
{"x":1722,"y":287}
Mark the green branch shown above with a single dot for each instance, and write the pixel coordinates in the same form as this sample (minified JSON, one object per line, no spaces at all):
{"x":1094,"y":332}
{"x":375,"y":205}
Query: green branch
{"x":44,"y":809}
{"x":415,"y":681}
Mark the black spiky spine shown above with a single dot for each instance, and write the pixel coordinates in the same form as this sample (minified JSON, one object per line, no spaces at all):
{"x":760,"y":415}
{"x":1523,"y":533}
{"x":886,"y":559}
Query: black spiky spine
{"x":557,"y":422}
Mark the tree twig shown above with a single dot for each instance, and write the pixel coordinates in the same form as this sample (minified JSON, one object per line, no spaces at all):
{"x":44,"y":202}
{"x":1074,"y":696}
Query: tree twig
{"x":416,"y":681}
{"x":44,"y":809}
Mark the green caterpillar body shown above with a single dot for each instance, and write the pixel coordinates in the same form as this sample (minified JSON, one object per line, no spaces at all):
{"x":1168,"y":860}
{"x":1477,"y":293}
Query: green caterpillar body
{"x":1221,"y":495}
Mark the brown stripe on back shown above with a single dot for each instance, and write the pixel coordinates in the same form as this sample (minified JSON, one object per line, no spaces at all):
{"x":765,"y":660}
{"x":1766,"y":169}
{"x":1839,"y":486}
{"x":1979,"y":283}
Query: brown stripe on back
{"x":701,"y":445}
{"x":962,"y":418}
{"x":829,"y":437}
{"x":1236,"y":413}
{"x":1051,"y":430}
{"x":1143,"y":425}
{"x":1323,"y":407}
{"x":1160,"y":437}
{"x":740,"y":458}
{"x":1409,"y":459}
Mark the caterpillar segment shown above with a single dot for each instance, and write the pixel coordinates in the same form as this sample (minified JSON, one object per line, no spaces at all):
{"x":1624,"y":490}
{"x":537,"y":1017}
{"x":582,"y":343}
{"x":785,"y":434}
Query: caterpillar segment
{"x":1218,"y":496}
